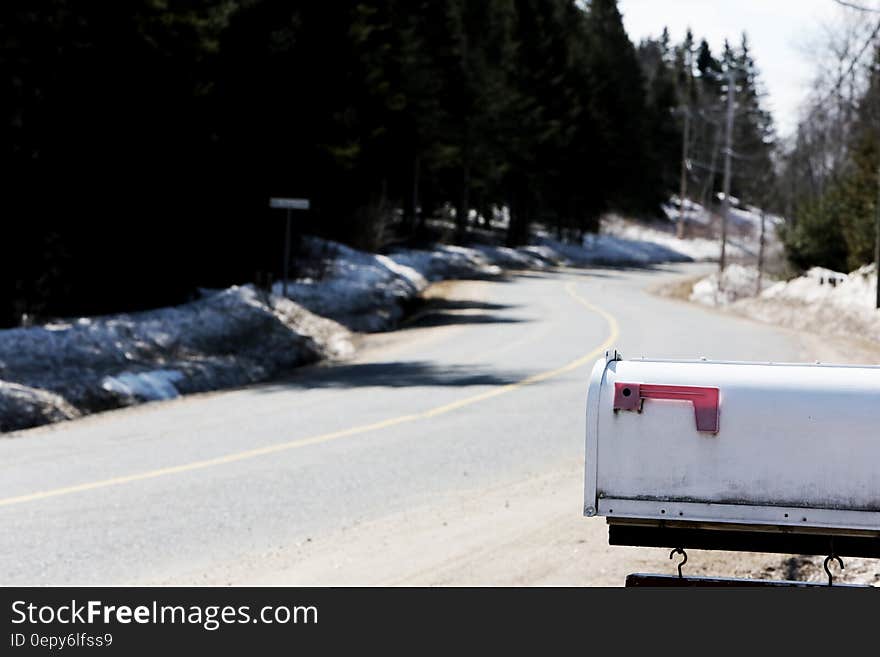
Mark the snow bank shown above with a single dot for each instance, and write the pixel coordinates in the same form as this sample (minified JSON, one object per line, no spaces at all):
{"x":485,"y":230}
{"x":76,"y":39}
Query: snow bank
{"x":738,"y":282}
{"x":239,"y":335}
{"x":369,"y":292}
{"x":363,"y":291}
{"x":446,"y":262}
{"x":520,"y":258}
{"x":819,"y":285}
{"x":622,"y":242}
{"x":698,"y":248}
{"x":822,"y":301}
{"x":694,"y":213}
{"x":150,"y":386}
{"x":605,"y":249}
{"x":233,"y":337}
{"x":22,"y":406}
{"x":745,"y":218}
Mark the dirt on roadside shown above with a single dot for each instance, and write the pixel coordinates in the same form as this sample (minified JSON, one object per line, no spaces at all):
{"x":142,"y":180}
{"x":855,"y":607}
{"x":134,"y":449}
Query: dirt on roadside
{"x":522,"y":533}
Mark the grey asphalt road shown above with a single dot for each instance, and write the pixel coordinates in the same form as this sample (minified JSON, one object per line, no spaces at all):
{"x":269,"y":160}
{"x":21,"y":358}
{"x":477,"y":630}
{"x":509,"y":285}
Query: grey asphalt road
{"x":488,"y":387}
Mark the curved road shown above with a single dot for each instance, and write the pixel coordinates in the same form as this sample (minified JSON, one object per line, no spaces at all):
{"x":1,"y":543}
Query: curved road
{"x":447,"y":452}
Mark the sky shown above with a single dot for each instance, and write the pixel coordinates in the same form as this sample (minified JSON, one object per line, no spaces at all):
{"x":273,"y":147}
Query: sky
{"x":779,"y":31}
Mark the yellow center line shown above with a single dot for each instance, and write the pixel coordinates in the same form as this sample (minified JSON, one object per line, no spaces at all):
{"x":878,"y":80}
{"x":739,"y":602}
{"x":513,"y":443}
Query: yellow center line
{"x":344,"y":433}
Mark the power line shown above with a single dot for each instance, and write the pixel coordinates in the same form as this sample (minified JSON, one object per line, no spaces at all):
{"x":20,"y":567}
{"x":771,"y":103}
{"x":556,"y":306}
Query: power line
{"x":728,"y":151}
{"x":747,"y":158}
{"x":852,"y":5}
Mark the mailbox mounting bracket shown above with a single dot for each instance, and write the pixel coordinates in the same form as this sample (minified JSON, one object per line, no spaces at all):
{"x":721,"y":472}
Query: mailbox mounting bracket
{"x":612,"y":355}
{"x":699,"y":537}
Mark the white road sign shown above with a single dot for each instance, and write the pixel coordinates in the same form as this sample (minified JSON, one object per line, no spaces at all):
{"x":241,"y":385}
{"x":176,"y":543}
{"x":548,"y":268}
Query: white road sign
{"x":289,"y":203}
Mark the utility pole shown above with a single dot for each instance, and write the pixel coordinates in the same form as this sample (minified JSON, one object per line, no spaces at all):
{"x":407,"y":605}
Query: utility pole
{"x":877,"y":204}
{"x":685,"y":143}
{"x":684,"y":171}
{"x":877,"y":240}
{"x":761,"y":243}
{"x":709,"y":184}
{"x":728,"y":152}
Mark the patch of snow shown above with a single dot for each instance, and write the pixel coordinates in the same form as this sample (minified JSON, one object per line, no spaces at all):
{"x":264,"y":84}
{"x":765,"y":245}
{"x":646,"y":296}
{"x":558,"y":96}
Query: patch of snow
{"x":416,"y":279}
{"x":604,"y":249}
{"x":149,"y":386}
{"x":854,"y":291}
{"x":737,"y":283}
{"x":22,"y":407}
{"x":746,"y":219}
{"x":750,"y":219}
{"x":369,"y":292}
{"x":698,"y":248}
{"x":693,"y":212}
{"x":543,"y":254}
{"x":363,"y":291}
{"x":734,"y":201}
{"x":521,"y":258}
{"x":447,"y":261}
{"x":822,"y":301}
{"x":241,"y":335}
{"x":237,"y":336}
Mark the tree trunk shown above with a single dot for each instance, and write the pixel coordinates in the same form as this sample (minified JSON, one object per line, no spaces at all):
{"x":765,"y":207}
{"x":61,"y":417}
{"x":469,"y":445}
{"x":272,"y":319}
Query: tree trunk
{"x":518,"y":228}
{"x":411,"y":200}
{"x":463,"y":210}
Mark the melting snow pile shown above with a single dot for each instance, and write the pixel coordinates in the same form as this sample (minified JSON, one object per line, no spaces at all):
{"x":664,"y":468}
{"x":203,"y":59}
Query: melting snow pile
{"x":822,"y":301}
{"x":663,"y":237}
{"x":239,"y":335}
{"x":150,"y":385}
{"x":23,"y":406}
{"x":611,"y":248}
{"x":446,"y":262}
{"x":370,"y":292}
{"x":363,"y":291}
{"x":694,"y":213}
{"x":230,"y":338}
{"x":738,"y":282}
{"x":524,"y":257}
{"x":746,"y":218}
{"x":825,"y":286}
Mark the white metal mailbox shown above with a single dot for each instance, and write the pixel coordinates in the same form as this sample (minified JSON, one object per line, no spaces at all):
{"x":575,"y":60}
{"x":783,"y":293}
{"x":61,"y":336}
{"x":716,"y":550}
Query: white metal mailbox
{"x":725,"y":455}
